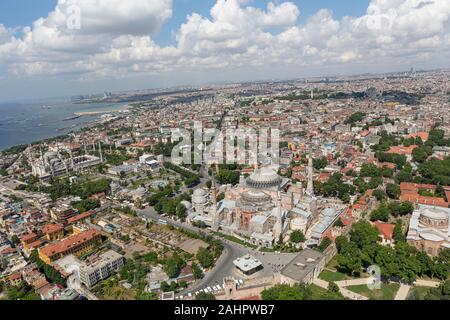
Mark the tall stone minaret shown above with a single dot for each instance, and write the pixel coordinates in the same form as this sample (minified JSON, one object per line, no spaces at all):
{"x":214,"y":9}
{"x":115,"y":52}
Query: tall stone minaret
{"x":214,"y":215}
{"x":278,"y":228}
{"x":310,"y":187}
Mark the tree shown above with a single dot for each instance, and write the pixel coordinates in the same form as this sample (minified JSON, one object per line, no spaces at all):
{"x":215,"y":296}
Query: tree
{"x":205,"y":258}
{"x":363,"y":233}
{"x":286,"y":292}
{"x":338,"y":223}
{"x":379,"y":194}
{"x":15,"y":240}
{"x":398,"y":234}
{"x":370,"y":170}
{"x":333,"y":287}
{"x":349,"y":258}
{"x":181,"y":211}
{"x":326,"y":242}
{"x":419,"y":154}
{"x":380,"y":214}
{"x":173,"y":266}
{"x":393,"y":191}
{"x":198,"y":274}
{"x":320,"y":164}
{"x":340,"y":241}
{"x":297,"y":236}
{"x":205,"y":296}
{"x":441,"y":293}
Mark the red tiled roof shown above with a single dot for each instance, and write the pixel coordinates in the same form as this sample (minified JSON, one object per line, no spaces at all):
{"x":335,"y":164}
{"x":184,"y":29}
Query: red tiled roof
{"x":385,"y":229}
{"x":69,"y":242}
{"x":28,"y":237}
{"x":402,"y":149}
{"x":8,"y":250}
{"x":15,"y":276}
{"x":34,"y":245}
{"x":52,"y":228}
{"x":80,"y":217}
{"x":423,"y":135}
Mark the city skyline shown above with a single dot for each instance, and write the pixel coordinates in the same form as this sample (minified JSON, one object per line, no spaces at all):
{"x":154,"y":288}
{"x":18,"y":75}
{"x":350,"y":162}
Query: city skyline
{"x":166,"y":43}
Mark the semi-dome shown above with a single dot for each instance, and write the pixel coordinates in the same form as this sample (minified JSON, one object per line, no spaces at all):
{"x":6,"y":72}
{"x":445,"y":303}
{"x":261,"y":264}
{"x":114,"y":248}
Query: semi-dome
{"x":186,"y":204}
{"x":255,"y":197}
{"x":435,"y":214}
{"x":264,"y":178}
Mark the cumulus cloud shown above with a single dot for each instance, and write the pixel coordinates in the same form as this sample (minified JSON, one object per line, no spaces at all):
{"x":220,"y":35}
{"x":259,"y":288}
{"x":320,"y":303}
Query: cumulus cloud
{"x":116,"y":37}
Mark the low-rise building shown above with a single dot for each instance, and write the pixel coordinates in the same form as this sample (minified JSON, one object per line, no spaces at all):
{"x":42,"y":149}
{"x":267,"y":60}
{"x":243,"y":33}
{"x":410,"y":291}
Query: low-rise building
{"x":306,"y":266}
{"x":77,"y":245}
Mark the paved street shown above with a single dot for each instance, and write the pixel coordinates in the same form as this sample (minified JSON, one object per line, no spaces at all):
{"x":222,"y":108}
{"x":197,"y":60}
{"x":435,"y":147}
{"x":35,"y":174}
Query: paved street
{"x":224,"y":267}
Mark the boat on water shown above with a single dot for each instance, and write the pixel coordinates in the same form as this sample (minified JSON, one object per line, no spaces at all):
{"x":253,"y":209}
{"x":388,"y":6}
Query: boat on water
{"x":74,"y":117}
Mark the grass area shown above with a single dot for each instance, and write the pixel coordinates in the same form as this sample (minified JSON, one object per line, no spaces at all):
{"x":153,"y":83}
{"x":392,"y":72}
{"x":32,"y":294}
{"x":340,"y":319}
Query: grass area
{"x":110,"y":289}
{"x":387,"y":291}
{"x":236,"y":240}
{"x":333,"y":276}
{"x":317,"y":292}
{"x":417,"y":293}
{"x":333,"y":264}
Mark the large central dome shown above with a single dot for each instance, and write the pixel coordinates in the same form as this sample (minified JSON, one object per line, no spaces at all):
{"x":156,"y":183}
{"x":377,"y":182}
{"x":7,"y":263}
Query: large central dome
{"x":264,"y":178}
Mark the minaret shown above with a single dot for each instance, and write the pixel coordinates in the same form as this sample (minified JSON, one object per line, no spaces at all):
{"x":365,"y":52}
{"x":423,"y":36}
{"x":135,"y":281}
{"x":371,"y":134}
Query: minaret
{"x":100,"y":150}
{"x":278,"y":228}
{"x":241,"y":179}
{"x":310,"y":188}
{"x":214,"y":216}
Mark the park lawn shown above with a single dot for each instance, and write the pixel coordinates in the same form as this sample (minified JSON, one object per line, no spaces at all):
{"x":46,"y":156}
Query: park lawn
{"x":236,"y":240}
{"x":317,"y":292}
{"x":333,"y":264}
{"x":387,"y":291}
{"x":331,"y":276}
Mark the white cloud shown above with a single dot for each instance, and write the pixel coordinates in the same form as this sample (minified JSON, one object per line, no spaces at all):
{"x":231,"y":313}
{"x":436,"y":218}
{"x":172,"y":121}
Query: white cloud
{"x":115,"y":39}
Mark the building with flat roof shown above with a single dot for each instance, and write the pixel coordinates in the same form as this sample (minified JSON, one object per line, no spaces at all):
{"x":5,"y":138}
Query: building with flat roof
{"x":100,"y":267}
{"x":306,"y":266}
{"x":248,"y":265}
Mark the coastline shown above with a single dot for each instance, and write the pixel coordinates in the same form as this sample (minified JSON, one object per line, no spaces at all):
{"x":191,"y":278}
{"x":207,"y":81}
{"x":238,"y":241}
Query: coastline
{"x":57,"y":122}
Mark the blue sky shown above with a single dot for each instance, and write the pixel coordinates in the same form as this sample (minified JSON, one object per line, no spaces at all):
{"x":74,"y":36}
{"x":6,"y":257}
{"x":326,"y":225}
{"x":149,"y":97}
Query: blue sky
{"x":18,"y":13}
{"x":114,"y":52}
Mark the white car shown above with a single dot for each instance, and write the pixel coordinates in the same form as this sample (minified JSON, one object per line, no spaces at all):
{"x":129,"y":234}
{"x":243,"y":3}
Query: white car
{"x":190,"y":295}
{"x":241,"y":282}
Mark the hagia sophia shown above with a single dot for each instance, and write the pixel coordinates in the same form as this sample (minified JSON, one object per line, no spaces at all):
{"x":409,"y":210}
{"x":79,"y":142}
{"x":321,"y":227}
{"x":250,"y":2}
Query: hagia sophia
{"x":265,"y":208}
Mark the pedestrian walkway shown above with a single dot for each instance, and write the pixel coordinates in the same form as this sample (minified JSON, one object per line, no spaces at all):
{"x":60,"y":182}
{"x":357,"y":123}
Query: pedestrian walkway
{"x":354,"y":282}
{"x":402,"y":292}
{"x":427,"y":283}
{"x":345,"y":292}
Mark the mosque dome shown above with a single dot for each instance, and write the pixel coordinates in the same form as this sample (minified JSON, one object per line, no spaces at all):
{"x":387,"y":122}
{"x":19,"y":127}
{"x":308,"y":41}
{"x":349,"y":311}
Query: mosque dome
{"x":199,"y":196}
{"x":264,"y":178}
